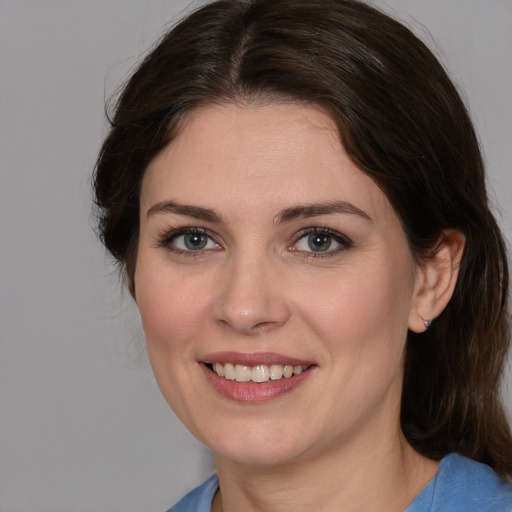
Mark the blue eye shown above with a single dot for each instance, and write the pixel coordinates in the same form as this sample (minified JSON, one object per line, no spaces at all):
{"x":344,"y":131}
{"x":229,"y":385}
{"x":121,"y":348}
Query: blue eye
{"x":322,"y":241}
{"x":192,"y":241}
{"x":189,"y":240}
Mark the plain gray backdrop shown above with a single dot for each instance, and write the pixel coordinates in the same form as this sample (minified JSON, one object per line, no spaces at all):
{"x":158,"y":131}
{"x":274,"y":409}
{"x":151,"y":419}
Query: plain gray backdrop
{"x":82,"y":424}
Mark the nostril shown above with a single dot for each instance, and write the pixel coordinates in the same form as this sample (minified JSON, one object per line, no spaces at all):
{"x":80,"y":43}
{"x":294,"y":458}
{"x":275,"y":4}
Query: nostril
{"x":265,"y":326}
{"x":248,"y":327}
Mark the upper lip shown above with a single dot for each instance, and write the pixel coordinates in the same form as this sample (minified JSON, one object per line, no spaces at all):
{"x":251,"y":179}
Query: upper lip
{"x":253,"y":359}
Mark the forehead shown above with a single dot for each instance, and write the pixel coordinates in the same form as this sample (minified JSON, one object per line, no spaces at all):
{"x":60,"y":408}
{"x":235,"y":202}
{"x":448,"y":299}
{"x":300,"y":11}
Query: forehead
{"x":259,"y":156}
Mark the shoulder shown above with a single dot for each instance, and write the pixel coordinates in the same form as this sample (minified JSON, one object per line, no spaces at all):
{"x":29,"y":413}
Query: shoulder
{"x":461,"y":484}
{"x":200,"y":498}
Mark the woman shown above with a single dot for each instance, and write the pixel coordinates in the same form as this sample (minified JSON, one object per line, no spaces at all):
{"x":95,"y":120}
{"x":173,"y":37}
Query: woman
{"x":296,"y":195}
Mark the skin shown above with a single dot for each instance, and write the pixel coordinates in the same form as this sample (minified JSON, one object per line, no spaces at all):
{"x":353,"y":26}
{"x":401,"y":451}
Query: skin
{"x":258,"y":286}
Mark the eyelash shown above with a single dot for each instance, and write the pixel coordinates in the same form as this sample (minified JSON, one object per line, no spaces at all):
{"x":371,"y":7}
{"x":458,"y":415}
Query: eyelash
{"x":167,"y":241}
{"x":343,"y":241}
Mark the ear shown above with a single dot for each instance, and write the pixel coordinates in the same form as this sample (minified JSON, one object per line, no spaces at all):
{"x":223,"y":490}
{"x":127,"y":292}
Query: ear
{"x":436,"y":279}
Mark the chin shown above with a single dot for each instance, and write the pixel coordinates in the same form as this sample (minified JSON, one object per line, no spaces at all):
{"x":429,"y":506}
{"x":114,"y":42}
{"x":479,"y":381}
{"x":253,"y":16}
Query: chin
{"x":258,"y":446}
{"x":258,"y":456}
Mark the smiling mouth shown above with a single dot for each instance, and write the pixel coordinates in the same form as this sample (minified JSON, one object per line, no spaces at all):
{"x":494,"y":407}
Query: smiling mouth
{"x":259,"y":373}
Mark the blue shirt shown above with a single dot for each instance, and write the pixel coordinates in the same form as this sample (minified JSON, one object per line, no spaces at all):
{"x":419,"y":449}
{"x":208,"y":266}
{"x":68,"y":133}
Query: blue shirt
{"x":460,"y":485}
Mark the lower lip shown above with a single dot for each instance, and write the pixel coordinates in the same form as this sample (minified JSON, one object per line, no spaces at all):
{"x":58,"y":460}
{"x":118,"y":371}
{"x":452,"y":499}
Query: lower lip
{"x":254,"y":392}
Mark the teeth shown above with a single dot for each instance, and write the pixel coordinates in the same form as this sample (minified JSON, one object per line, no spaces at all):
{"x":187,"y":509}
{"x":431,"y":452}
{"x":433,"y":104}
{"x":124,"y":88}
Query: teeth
{"x":276,"y":372}
{"x":229,"y":371}
{"x":242,"y":373}
{"x":287,"y":371}
{"x":218,"y":369}
{"x":260,"y":373}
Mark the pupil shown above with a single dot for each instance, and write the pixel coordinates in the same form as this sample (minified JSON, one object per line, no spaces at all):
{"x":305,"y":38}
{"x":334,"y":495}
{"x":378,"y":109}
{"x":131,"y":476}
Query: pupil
{"x":319,"y":242}
{"x":195,"y":241}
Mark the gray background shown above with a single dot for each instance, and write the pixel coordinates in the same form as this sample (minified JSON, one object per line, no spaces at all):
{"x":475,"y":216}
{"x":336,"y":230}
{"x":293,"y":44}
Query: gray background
{"x":82,"y":424}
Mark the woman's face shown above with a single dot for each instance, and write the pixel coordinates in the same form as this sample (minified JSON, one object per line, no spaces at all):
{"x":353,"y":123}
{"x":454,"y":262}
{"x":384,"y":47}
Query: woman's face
{"x":264,"y":252}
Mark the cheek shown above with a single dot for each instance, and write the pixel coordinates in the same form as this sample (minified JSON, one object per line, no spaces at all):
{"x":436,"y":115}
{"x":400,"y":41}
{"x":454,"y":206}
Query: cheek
{"x":361,"y":311}
{"x":361,"y":320}
{"x":172,"y":309}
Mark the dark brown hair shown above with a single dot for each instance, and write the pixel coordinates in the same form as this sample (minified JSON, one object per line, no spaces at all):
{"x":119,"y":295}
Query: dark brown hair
{"x":401,"y":121}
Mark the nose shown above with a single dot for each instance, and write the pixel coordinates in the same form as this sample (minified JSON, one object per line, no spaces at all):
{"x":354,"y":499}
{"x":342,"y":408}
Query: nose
{"x":251,"y":298}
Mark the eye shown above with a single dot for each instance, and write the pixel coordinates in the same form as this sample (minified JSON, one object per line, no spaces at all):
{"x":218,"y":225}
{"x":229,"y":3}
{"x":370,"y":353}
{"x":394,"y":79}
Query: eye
{"x":320,"y":241}
{"x":193,"y":242}
{"x":186,"y":240}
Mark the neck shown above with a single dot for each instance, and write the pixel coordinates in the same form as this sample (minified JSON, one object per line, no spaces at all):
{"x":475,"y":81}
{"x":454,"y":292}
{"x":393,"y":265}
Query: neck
{"x":386,"y":480}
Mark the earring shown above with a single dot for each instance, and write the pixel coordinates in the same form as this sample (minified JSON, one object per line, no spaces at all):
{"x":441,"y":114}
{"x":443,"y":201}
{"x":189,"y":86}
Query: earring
{"x":427,"y":323}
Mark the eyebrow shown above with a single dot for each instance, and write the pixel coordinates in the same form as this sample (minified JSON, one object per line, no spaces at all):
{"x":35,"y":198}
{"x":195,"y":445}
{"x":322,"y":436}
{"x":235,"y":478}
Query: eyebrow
{"x":286,"y":215}
{"x":197,"y":212}
{"x":315,"y":210}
